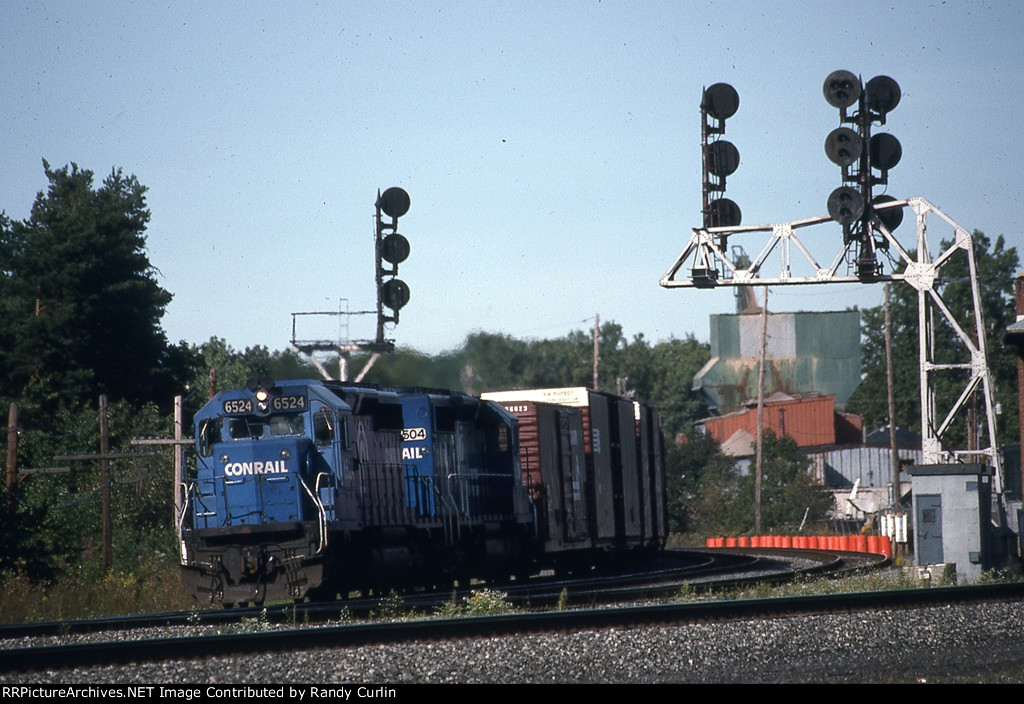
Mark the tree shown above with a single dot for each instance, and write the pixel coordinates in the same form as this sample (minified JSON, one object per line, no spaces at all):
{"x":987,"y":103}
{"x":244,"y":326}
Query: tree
{"x":80,"y":307}
{"x":709,"y":494}
{"x":996,"y":268}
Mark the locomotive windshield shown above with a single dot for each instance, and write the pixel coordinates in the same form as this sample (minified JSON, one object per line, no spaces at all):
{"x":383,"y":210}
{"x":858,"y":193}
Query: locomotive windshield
{"x":247,"y":428}
{"x":255,"y":427}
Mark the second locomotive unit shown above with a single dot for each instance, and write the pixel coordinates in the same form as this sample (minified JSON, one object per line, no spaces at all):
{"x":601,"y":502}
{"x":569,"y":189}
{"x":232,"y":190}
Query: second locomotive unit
{"x":316,"y":488}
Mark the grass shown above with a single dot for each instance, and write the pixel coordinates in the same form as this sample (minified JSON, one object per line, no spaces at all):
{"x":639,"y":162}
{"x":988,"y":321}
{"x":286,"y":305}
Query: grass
{"x":155,"y":586}
{"x":82,"y":594}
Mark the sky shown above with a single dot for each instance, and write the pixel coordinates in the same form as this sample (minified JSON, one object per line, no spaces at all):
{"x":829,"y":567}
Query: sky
{"x":551,"y":150}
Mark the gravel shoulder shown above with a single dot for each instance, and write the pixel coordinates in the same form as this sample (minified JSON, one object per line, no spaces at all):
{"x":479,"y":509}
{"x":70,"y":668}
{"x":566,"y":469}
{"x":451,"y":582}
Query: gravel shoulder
{"x":950,"y":644}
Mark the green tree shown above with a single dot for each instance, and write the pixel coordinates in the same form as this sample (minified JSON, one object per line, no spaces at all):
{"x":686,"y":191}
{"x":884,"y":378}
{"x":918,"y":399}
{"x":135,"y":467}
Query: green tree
{"x":788,"y":492}
{"x":80,"y":307}
{"x":710,"y":495}
{"x":233,"y":368}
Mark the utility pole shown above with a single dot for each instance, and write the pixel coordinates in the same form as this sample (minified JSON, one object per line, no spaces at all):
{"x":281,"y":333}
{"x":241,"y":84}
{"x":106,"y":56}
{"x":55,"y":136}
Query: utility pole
{"x":12,"y":454}
{"x":597,"y":347}
{"x":108,"y":553}
{"x":890,"y":379}
{"x":760,"y":414}
{"x":104,"y":456}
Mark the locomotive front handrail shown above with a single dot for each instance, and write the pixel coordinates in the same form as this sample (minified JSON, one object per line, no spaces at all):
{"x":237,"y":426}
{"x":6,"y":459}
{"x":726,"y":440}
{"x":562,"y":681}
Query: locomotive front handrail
{"x":181,"y":522}
{"x":322,"y":522}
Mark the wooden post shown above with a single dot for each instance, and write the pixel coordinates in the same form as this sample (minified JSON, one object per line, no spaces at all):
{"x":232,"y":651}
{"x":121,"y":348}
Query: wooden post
{"x":760,"y":413}
{"x":108,"y":558}
{"x":179,"y":469}
{"x":12,"y":455}
{"x":890,"y":379}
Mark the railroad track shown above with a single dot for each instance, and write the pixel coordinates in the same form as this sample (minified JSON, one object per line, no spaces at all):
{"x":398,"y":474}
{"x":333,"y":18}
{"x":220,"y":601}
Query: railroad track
{"x":269,"y":628}
{"x":51,"y":658}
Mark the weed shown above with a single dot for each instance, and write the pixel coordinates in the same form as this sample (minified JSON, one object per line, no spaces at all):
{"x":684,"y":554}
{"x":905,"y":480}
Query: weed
{"x":392,"y":608}
{"x":257,"y":624}
{"x":488,"y":602}
{"x":563,"y":600}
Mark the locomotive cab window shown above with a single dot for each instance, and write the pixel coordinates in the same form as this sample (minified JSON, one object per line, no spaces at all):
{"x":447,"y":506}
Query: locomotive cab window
{"x":287,"y":425}
{"x":244,"y":429}
{"x":209,"y":433}
{"x":323,"y":426}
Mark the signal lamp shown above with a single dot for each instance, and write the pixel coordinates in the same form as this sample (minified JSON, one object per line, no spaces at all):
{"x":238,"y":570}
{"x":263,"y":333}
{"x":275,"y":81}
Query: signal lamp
{"x":394,"y":249}
{"x":885,"y":151}
{"x":394,"y":294}
{"x":394,"y":202}
{"x":842,"y":89}
{"x":845,"y":205}
{"x":720,"y":101}
{"x":843,"y":146}
{"x":891,"y":218}
{"x":883,"y":95}
{"x":723,"y":158}
{"x":725,"y":212}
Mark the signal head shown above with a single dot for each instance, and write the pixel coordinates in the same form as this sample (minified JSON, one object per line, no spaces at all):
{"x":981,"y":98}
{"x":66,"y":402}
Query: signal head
{"x":885,"y":151}
{"x":395,"y":294}
{"x":845,"y":205}
{"x":723,"y":158}
{"x":394,"y":202}
{"x":720,"y":100}
{"x":842,"y":89}
{"x":889,"y":217}
{"x":843,"y":146}
{"x":394,"y":248}
{"x":883,"y":95}
{"x":723,"y":212}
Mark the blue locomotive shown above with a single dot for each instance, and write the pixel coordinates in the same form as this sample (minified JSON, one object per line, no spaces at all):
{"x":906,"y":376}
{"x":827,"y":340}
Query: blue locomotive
{"x":314,"y":488}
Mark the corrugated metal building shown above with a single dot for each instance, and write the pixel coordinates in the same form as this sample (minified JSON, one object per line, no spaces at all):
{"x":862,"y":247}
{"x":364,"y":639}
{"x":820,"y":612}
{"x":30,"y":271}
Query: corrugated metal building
{"x":842,"y":467}
{"x":810,"y":420}
{"x":806,"y":351}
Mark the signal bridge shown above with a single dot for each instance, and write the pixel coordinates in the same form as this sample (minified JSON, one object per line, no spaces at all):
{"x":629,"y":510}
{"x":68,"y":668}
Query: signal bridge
{"x":785,"y":260}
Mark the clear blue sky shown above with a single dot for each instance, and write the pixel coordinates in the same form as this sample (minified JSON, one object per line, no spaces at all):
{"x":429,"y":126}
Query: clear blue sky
{"x":551,"y":149}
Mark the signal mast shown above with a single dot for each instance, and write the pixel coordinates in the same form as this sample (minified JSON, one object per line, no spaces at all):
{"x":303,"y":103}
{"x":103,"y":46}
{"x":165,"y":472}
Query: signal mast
{"x":390,"y":250}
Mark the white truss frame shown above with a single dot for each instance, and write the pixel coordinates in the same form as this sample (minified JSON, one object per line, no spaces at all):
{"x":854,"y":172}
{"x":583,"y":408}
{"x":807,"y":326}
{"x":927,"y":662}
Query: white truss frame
{"x":709,"y":263}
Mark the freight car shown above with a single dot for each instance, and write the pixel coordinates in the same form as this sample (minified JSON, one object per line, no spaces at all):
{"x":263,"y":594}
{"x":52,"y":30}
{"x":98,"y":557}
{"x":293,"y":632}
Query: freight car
{"x":316,"y":488}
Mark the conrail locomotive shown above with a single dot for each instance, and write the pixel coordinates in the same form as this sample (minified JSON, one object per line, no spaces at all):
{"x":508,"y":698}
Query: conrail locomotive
{"x":310,"y":488}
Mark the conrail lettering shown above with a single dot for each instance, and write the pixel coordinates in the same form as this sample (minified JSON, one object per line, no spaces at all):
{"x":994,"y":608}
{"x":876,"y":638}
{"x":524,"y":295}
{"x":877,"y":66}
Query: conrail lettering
{"x":237,"y":469}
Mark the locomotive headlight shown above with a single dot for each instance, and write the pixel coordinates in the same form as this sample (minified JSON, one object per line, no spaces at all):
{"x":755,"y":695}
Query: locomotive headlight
{"x":224,"y":458}
{"x":262,"y":398}
{"x":286,"y":454}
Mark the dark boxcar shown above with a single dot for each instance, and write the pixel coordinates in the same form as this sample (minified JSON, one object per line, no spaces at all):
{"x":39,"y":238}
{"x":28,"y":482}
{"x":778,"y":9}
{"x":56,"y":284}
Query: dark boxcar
{"x":554,"y":471}
{"x":619,"y":484}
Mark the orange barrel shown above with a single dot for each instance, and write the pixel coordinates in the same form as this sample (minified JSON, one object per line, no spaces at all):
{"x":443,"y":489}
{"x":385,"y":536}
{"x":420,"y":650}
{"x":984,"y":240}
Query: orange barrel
{"x":787,"y":541}
{"x":743,"y":541}
{"x":885,"y":545}
{"x":844,"y":542}
{"x":730,"y":542}
{"x":859,"y":543}
{"x":873,"y":545}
